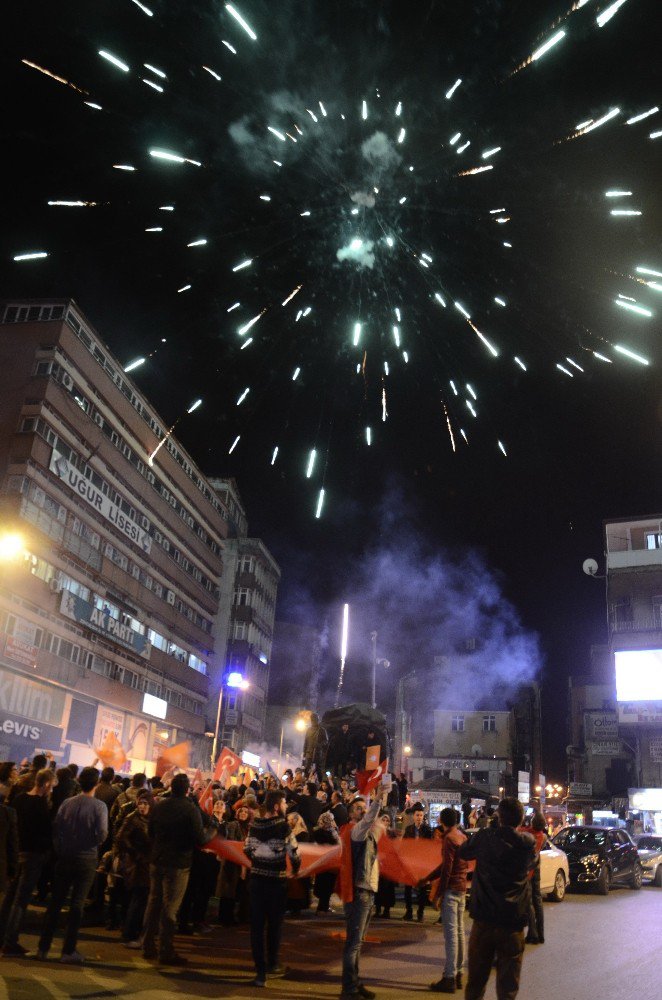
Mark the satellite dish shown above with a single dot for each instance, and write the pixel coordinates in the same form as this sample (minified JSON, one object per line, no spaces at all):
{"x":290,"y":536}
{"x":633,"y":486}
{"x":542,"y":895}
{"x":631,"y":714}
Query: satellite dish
{"x":590,"y":567}
{"x":476,"y":749}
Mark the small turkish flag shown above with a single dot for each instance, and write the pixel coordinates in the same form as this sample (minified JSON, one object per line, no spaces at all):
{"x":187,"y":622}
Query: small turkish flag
{"x":206,"y":799}
{"x":368,"y":781}
{"x":228,"y":762}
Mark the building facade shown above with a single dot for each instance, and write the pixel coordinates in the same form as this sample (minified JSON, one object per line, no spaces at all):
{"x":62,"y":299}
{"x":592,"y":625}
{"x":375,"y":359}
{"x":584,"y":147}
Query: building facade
{"x":244,"y":626}
{"x":113,"y":552}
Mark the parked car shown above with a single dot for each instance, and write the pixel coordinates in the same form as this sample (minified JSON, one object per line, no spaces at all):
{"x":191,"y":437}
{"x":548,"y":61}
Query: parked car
{"x":554,"y":872}
{"x":650,"y":852}
{"x":600,"y":857}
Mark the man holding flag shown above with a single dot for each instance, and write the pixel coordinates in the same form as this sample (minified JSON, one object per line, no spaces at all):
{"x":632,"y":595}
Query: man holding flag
{"x":359,"y":879}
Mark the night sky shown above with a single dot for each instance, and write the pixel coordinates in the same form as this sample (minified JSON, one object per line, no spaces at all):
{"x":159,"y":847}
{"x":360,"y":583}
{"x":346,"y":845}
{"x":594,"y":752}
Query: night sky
{"x":578,"y":449}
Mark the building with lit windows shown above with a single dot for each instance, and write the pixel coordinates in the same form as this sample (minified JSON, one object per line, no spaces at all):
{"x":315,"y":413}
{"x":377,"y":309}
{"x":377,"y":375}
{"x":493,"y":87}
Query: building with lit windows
{"x":109,"y":582}
{"x":244,"y":627}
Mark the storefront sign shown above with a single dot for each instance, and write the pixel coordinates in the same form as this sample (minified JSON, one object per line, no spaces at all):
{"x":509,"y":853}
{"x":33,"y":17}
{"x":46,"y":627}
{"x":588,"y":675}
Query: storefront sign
{"x":600,"y":726}
{"x":649,"y":799}
{"x":102,"y":621}
{"x":27,"y":699}
{"x":640,"y":713}
{"x":88,"y":492}
{"x":21,"y":646}
{"x":580,"y":790}
{"x":655,"y":749}
{"x":523,"y":786}
{"x":606,"y":748}
{"x":109,"y":720}
{"x":35,"y":734}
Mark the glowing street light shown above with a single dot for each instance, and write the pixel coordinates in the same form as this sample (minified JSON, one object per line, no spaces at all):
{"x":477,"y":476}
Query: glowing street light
{"x":12,"y":545}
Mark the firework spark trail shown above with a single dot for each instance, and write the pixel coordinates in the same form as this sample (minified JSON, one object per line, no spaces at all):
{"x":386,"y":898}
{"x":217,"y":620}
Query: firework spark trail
{"x":54,"y":76}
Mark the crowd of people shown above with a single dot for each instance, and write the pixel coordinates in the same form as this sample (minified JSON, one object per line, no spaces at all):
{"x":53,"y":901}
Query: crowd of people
{"x":126,"y":852}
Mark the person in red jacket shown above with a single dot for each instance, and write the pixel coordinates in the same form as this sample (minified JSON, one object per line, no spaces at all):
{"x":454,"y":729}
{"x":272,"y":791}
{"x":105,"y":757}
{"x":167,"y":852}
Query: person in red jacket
{"x":452,"y":875}
{"x":538,"y":830}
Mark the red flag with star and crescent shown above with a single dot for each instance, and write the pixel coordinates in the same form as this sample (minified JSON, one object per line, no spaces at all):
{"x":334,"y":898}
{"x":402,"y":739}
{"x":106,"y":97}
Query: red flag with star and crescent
{"x":368,"y":781}
{"x":228,"y":762}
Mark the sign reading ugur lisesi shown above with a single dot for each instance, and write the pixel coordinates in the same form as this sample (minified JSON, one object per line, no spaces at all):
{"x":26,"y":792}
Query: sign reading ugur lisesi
{"x":88,"y":492}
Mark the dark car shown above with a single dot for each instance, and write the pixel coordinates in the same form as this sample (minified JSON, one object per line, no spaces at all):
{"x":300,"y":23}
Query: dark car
{"x":600,"y":857}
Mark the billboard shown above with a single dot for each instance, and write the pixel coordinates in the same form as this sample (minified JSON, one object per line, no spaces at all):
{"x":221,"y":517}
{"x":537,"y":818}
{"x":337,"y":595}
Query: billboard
{"x":639,"y":675}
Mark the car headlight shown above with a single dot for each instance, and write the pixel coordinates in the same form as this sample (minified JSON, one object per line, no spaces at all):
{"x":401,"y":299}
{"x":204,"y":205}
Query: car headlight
{"x":592,"y":859}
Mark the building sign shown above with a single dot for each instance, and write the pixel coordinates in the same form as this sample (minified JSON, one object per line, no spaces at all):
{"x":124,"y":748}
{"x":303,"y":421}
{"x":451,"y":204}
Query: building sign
{"x":445,"y":798}
{"x":154,"y":706}
{"x":30,"y":700}
{"x":655,"y":749}
{"x":606,"y":748}
{"x":21,"y":646}
{"x":109,"y":720}
{"x":649,"y":799}
{"x":580,"y":790}
{"x":99,"y":502}
{"x":38,"y":735}
{"x":640,"y":713}
{"x":101,"y":621}
{"x":600,"y":726}
{"x":458,"y":763}
{"x":523,"y":786}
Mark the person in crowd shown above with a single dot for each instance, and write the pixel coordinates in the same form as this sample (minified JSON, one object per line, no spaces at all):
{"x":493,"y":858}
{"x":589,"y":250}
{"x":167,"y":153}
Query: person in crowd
{"x":9,"y":848}
{"x":500,"y":901}
{"x":326,"y":832}
{"x":340,"y":753}
{"x":25,"y":781}
{"x":298,"y":889}
{"x":133,"y":846}
{"x":64,"y":789}
{"x":308,"y":805}
{"x":358,"y":883}
{"x":202,"y":879}
{"x":403,"y":788}
{"x":8,"y":777}
{"x":80,"y":826}
{"x":125,"y":802}
{"x":268,"y":845}
{"x":33,"y":817}
{"x":418,"y":829}
{"x":74,"y":768}
{"x":451,"y":894}
{"x":315,"y":747}
{"x":339,"y":809}
{"x":232,"y":886}
{"x":385,"y":897}
{"x":393,"y":801}
{"x":106,"y":790}
{"x":536,"y":931}
{"x":175,"y":829}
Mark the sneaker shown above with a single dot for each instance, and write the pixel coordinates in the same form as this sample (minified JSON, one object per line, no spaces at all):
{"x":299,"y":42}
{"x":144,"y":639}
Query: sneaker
{"x":72,"y":958}
{"x":408,"y":916}
{"x":135,"y":945}
{"x":41,"y":955}
{"x":258,"y":982}
{"x":14,"y":951}
{"x":173,"y":959}
{"x":277,"y":971}
{"x":366,"y":993}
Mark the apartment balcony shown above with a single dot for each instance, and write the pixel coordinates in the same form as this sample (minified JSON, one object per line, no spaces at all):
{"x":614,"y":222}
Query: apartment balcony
{"x":634,"y":559}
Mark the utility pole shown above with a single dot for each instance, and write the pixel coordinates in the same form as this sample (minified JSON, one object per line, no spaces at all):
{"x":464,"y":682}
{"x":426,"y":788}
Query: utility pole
{"x":373,"y":636}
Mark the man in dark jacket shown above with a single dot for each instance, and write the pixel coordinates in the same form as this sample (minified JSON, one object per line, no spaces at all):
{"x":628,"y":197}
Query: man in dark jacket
{"x":500,"y":901}
{"x":8,"y":847}
{"x":308,"y":805}
{"x":175,"y":829}
{"x":268,"y":845}
{"x":418,"y":830}
{"x":339,"y":809}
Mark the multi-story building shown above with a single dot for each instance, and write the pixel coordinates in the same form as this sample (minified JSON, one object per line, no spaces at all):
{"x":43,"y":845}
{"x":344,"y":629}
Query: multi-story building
{"x":244,"y":625}
{"x":113,"y":541}
{"x":633,"y":549}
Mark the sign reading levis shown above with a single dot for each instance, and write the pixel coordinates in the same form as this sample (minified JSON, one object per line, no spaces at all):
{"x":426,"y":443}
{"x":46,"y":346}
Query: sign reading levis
{"x":100,"y":620}
{"x":88,"y":492}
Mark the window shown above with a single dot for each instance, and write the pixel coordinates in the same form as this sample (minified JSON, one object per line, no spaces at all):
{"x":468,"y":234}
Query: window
{"x":489,"y":724}
{"x":653,"y":540}
{"x":247,"y":564}
{"x":240,"y":630}
{"x":241,"y":596}
{"x":457,"y":724}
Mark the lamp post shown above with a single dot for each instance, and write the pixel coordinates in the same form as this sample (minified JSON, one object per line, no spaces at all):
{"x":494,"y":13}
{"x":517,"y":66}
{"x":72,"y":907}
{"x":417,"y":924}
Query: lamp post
{"x":406,"y":750}
{"x":232,"y":680}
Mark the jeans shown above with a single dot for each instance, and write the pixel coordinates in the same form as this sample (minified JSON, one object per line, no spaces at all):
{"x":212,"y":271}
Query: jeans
{"x":485,"y":941}
{"x":135,"y":913}
{"x":18,"y":896}
{"x":166,"y":891}
{"x":75,"y":873}
{"x":268,"y":901}
{"x":536,"y":916}
{"x":357,"y":915}
{"x":452,"y":916}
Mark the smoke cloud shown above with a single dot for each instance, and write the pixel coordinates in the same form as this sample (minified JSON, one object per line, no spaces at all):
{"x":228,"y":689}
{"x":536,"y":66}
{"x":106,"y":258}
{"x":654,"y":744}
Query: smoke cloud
{"x":358,"y":252}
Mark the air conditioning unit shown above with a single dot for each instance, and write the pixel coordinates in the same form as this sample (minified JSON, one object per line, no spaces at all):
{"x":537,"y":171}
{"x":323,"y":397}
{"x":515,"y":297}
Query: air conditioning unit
{"x":98,"y":419}
{"x":67,"y":381}
{"x":170,"y":597}
{"x":54,"y":585}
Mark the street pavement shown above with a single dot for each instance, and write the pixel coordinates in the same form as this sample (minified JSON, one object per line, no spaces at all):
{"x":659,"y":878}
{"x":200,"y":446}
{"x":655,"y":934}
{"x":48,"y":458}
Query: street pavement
{"x":595,"y":946}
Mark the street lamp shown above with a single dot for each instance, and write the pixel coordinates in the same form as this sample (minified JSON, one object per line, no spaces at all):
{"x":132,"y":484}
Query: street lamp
{"x":12,"y":545}
{"x":232,"y":680}
{"x":406,"y":750}
{"x":301,"y":723}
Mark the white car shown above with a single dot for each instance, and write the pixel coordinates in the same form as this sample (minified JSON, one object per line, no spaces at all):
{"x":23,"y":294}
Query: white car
{"x":650,"y":851}
{"x":554,"y":872}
